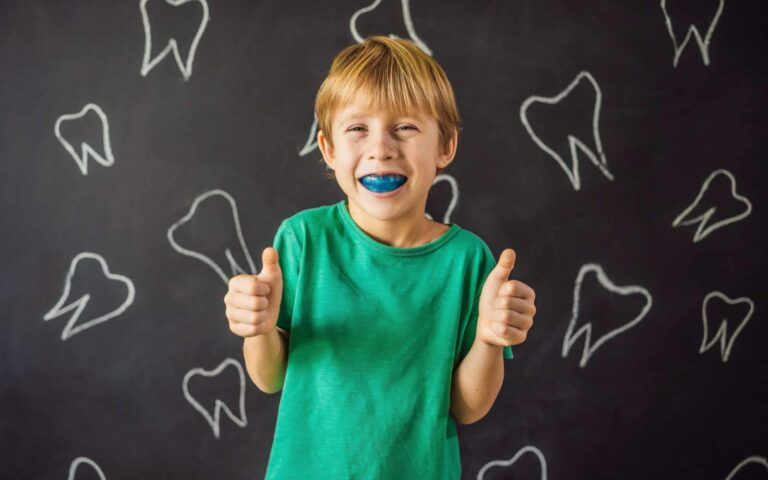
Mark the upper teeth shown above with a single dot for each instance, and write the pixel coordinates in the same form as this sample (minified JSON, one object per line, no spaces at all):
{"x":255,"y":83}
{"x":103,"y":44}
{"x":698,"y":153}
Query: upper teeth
{"x":385,"y":175}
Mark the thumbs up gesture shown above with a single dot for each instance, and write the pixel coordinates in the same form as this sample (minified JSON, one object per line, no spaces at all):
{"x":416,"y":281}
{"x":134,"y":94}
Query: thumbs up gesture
{"x":253,"y":301}
{"x":506,"y":307}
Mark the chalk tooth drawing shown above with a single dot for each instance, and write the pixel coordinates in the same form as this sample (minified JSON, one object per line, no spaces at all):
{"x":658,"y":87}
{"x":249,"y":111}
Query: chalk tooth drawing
{"x":87,"y":461}
{"x":234,"y":267}
{"x":406,"y":19}
{"x":86,"y":151}
{"x":722,"y":330}
{"x":596,"y":156}
{"x":508,"y":463}
{"x":148,"y":62}
{"x":692,"y":32}
{"x":311,"y":143}
{"x":586,"y":329}
{"x":444,"y":177}
{"x":752,"y":460}
{"x":78,"y":305}
{"x":704,"y":218}
{"x":214,"y":420}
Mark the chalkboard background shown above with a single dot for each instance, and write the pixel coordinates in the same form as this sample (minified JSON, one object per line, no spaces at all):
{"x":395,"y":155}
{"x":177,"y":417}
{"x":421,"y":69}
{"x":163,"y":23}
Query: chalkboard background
{"x":128,"y":387}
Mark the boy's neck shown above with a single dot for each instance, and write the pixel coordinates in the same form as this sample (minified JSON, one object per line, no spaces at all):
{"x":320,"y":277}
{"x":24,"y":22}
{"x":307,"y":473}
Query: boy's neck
{"x":410,"y":230}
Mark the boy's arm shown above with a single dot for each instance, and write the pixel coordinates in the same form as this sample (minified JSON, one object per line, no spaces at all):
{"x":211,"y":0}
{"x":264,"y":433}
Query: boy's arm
{"x":476,"y":382}
{"x":265,"y":359}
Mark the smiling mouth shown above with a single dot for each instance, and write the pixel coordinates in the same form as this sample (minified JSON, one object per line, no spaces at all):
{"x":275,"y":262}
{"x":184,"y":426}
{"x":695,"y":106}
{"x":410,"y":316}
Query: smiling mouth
{"x":383,"y":183}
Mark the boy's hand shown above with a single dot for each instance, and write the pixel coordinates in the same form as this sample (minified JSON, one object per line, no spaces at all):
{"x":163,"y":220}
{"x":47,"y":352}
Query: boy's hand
{"x":506,"y":306}
{"x":253,"y":301}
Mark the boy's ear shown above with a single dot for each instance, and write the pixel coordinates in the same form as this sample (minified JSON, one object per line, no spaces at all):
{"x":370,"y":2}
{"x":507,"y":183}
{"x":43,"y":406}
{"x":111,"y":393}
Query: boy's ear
{"x":447,"y":154}
{"x":325,"y":148}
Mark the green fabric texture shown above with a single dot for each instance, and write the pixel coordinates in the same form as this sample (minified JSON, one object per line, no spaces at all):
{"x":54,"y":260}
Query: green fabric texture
{"x":376,"y":332}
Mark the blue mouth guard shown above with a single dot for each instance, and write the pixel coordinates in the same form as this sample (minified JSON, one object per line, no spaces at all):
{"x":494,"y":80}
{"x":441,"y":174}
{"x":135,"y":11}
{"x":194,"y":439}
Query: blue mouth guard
{"x":385,"y":183}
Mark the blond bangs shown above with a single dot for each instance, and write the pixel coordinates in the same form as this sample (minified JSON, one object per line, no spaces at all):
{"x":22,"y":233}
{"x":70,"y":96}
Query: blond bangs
{"x":386,"y":73}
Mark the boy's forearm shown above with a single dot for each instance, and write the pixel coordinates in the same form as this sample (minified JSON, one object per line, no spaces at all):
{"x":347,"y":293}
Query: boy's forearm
{"x":476,"y":382}
{"x":265,"y":360}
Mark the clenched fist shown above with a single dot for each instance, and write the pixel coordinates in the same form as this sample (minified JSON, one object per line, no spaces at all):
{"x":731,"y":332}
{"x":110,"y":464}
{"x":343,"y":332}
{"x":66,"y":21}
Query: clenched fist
{"x":253,"y":301}
{"x":506,"y":306}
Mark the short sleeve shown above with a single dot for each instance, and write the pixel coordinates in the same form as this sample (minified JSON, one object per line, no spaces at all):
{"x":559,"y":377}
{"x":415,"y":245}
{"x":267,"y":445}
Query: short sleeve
{"x":289,"y":249}
{"x":487,"y":265}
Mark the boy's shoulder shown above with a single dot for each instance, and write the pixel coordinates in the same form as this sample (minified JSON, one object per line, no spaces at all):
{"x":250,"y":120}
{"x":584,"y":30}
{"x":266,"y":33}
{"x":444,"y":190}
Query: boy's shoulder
{"x":310,"y":221}
{"x":323,"y":214}
{"x":472,"y":242}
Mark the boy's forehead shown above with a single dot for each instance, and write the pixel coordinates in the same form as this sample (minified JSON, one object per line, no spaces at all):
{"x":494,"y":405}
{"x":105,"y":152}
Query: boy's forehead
{"x":360,"y":110}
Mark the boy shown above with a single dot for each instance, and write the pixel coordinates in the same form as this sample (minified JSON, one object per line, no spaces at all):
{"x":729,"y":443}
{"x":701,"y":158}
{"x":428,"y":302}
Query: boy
{"x":371,"y":318}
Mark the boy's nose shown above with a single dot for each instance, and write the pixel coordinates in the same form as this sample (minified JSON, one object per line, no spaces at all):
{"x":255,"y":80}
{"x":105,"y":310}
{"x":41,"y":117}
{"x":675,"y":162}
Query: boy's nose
{"x":382,"y":146}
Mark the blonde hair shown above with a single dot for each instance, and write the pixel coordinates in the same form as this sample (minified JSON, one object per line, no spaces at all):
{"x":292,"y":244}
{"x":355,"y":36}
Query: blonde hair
{"x":388,"y":73}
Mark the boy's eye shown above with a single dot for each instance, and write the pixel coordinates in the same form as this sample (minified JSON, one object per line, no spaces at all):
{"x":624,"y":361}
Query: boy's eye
{"x":360,"y":128}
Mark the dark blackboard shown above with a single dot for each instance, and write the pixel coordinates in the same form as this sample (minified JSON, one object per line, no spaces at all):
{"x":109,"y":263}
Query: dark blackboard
{"x":128,"y":384}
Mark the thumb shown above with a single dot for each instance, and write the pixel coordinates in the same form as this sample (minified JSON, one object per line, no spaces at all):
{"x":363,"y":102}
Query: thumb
{"x":270,"y":270}
{"x":504,"y":267}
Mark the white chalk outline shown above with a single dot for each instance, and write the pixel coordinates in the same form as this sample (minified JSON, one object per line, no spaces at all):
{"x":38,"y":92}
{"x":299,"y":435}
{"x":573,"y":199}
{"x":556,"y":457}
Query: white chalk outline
{"x":704,"y":218}
{"x":573,"y":142}
{"x":148,"y":64}
{"x":80,"y":304}
{"x":756,"y":459}
{"x":586,"y":329}
{"x":725,"y":346}
{"x":214,"y":421}
{"x":506,"y":463}
{"x":311,"y":143}
{"x":444,"y":177}
{"x":76,"y":463}
{"x":85,"y":149}
{"x":233,"y":265}
{"x":406,"y":19}
{"x":692,"y":30}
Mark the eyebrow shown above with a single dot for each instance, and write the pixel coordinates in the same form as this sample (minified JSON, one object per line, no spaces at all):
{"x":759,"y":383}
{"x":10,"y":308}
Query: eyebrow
{"x":359,"y":115}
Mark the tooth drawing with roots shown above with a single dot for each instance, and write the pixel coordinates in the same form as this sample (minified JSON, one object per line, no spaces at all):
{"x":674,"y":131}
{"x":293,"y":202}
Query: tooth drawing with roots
{"x":586,"y":329}
{"x":596,"y":156}
{"x":707,"y":213}
{"x":692,"y":32}
{"x":105,"y":158}
{"x":148,"y":62}
{"x":722,"y":330}
{"x":406,"y":19}
{"x":79,"y":304}
{"x":311,"y":143}
{"x":233,"y":268}
{"x":214,"y":420}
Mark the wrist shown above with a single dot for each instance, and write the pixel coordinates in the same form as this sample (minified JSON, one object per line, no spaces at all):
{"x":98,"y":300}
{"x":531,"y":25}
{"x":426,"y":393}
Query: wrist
{"x":486,"y":347}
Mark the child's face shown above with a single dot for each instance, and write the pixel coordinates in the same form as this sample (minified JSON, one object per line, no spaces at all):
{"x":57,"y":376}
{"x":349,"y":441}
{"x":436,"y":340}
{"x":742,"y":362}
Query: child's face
{"x":376,"y":141}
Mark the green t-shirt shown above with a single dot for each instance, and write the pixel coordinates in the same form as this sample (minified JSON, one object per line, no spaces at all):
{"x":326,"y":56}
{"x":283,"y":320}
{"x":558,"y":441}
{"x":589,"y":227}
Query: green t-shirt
{"x":376,"y":332}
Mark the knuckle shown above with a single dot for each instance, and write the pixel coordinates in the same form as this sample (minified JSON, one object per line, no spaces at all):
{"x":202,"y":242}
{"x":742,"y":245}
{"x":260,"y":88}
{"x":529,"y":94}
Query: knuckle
{"x":251,"y":284}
